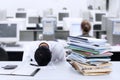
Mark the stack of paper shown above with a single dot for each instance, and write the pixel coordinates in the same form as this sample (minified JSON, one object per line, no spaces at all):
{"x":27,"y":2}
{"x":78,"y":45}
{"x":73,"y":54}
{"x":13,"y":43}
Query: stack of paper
{"x":89,"y":51}
{"x":87,"y":69}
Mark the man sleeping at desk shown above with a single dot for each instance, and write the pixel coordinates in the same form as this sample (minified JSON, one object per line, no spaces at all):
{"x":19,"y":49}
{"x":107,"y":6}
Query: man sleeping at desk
{"x":45,"y":52}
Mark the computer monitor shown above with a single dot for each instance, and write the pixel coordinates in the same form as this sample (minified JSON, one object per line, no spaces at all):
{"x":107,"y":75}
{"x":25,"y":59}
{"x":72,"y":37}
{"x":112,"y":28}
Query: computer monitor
{"x":61,"y":15}
{"x":21,"y":15}
{"x":9,"y":32}
{"x":96,"y":16}
{"x":33,"y":21}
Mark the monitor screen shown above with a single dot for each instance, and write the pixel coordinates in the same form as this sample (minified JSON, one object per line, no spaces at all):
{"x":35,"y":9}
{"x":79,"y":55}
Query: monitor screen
{"x":116,"y":28}
{"x":9,"y":32}
{"x":62,"y":15}
{"x":20,"y":15}
{"x":33,"y":20}
{"x":75,"y":29}
{"x":98,"y":16}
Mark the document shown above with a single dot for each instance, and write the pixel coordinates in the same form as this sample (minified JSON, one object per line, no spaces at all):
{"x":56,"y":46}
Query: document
{"x":21,"y":70}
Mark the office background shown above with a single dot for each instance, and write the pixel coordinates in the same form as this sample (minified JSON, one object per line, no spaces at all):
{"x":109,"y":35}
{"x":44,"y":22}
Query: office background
{"x":75,"y":6}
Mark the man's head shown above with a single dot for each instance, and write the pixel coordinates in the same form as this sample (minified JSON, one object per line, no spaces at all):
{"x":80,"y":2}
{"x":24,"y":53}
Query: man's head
{"x":42,"y":55}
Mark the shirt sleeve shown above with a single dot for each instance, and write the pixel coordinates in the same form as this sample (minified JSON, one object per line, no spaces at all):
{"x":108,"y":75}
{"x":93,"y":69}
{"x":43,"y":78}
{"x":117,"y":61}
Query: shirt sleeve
{"x":58,"y":52}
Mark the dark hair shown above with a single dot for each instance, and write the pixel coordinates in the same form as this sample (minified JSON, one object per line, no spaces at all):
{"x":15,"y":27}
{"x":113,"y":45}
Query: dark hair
{"x":42,"y":55}
{"x":85,"y":26}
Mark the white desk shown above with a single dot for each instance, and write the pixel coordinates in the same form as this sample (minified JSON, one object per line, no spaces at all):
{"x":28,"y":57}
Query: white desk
{"x":25,"y":45}
{"x":115,"y":48}
{"x":63,"y":71}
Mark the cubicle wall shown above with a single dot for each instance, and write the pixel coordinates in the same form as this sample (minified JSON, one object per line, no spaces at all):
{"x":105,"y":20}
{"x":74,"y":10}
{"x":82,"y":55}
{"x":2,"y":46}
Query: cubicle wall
{"x":33,"y":35}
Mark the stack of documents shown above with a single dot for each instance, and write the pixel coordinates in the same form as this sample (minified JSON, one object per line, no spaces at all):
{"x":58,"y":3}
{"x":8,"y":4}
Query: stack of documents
{"x":89,"y":51}
{"x":86,"y":69}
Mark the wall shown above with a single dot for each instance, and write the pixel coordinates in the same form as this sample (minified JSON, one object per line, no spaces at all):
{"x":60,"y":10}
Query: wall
{"x":75,"y":6}
{"x":114,"y":8}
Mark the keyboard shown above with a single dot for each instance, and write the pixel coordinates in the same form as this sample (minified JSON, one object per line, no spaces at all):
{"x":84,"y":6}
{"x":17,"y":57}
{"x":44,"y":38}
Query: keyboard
{"x":13,"y":45}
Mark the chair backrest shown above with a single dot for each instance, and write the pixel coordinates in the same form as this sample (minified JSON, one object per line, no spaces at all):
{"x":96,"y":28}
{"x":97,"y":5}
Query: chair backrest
{"x":3,"y":55}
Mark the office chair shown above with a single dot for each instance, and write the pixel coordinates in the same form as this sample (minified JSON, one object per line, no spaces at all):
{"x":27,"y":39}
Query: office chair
{"x":3,"y":55}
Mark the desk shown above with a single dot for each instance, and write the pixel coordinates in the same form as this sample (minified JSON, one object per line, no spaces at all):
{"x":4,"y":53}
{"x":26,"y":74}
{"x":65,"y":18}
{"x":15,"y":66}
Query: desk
{"x":25,"y":44}
{"x":62,"y":71}
{"x":116,"y":53}
{"x":15,"y":53}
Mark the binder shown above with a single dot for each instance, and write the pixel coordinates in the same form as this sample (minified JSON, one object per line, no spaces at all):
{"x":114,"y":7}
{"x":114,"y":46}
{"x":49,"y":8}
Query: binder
{"x":22,"y":70}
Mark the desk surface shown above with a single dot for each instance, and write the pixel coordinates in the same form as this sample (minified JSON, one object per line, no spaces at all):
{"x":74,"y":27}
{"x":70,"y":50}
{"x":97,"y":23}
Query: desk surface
{"x":25,"y":43}
{"x":62,"y":71}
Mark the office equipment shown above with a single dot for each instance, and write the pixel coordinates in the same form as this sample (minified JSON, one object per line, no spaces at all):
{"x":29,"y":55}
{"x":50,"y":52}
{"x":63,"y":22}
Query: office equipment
{"x":74,"y":26}
{"x":3,"y":14}
{"x":113,"y":31}
{"x":9,"y":32}
{"x":47,"y":12}
{"x":21,"y":15}
{"x":61,"y":15}
{"x":20,"y":21}
{"x":33,"y":22}
{"x":33,"y":19}
{"x":49,"y":25}
{"x":96,"y":16}
{"x":105,"y":19}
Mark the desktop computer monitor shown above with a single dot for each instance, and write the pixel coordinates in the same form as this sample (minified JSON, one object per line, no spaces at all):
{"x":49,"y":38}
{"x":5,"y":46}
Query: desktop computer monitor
{"x":33,"y":22}
{"x":9,"y":32}
{"x":20,"y":15}
{"x":96,"y":16}
{"x":61,"y":15}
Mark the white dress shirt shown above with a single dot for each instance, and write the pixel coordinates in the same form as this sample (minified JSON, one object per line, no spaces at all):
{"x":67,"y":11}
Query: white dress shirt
{"x":56,"y":48}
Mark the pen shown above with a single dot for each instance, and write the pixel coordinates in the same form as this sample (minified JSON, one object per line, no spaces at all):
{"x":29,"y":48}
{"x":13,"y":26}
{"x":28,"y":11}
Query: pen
{"x":33,"y":64}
